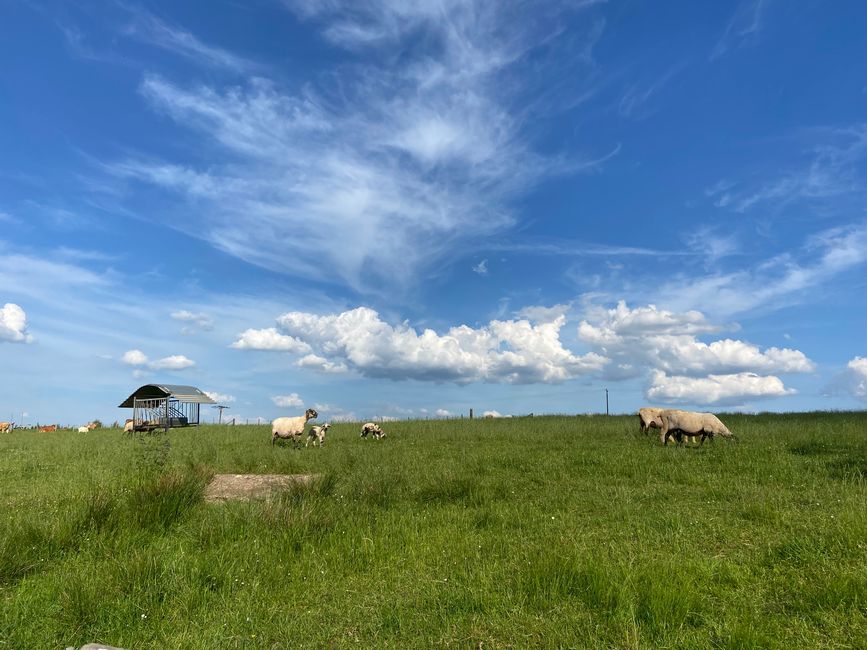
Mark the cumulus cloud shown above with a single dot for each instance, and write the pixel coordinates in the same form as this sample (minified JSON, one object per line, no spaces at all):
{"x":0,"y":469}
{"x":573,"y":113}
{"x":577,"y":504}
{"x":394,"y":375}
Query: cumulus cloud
{"x":714,"y":389}
{"x":321,"y":364}
{"x":134,"y":358}
{"x":13,"y":324}
{"x":444,"y":413}
{"x":510,"y":351}
{"x":667,"y":341}
{"x":140,"y":360}
{"x":855,"y":377}
{"x":292,"y":400}
{"x":492,"y":414}
{"x":269,"y":339}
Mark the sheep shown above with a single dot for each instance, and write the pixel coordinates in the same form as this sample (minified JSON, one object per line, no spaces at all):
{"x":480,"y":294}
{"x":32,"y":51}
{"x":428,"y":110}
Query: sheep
{"x":129,"y":426}
{"x":317,"y":434}
{"x":688,"y":423}
{"x":375,"y":429}
{"x":286,"y":428}
{"x":649,"y":417}
{"x":6,"y":426}
{"x":83,"y":429}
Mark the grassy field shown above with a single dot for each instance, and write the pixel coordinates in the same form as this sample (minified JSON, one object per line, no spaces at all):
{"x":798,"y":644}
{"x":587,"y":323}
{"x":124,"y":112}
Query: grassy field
{"x":530,"y":532}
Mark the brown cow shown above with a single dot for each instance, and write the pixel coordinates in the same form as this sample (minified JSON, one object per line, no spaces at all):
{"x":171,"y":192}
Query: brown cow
{"x":48,"y":428}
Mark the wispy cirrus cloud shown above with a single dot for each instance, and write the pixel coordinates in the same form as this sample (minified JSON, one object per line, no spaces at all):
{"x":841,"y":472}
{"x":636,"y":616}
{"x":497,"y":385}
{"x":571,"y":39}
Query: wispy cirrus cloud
{"x":742,"y":28}
{"x":418,"y":160}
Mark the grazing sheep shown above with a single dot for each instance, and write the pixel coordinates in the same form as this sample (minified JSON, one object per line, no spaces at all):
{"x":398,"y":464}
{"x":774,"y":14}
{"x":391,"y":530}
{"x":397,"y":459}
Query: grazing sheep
{"x":6,"y":426}
{"x":317,"y":434}
{"x":687,"y":423}
{"x":293,"y":428}
{"x":129,"y":426}
{"x":84,"y":429}
{"x":649,"y":417}
{"x":375,"y":429}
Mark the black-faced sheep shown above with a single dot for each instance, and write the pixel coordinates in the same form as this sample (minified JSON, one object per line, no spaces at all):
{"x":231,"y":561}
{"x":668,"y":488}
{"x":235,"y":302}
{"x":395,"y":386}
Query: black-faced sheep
{"x":286,"y":428}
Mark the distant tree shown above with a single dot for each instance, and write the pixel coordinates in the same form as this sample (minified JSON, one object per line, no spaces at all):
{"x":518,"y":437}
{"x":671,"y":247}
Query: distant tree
{"x":98,"y":424}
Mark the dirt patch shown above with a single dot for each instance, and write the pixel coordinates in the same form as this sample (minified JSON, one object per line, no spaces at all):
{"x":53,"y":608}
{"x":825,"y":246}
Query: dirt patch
{"x":226,"y":487}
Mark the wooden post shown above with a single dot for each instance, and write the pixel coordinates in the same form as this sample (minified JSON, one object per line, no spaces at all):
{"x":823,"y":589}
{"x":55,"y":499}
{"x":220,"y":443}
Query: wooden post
{"x":471,"y":414}
{"x":606,"y":402}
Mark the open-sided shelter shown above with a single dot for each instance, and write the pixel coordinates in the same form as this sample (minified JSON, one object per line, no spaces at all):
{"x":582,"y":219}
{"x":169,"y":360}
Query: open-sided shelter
{"x":165,"y":406}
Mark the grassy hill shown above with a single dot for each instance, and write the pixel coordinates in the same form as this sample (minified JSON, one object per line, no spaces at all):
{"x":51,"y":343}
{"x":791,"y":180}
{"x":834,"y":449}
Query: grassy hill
{"x":523,"y":532}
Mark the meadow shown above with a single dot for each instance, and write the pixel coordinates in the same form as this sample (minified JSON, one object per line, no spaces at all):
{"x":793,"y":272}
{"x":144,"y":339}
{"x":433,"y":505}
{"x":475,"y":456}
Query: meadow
{"x":524,"y":532}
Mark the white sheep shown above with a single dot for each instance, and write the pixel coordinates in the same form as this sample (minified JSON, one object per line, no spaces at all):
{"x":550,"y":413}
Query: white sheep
{"x":129,"y":426}
{"x":375,"y":429}
{"x":688,"y":423}
{"x":317,"y":434}
{"x":83,"y":429}
{"x":649,"y":416}
{"x":293,"y":428}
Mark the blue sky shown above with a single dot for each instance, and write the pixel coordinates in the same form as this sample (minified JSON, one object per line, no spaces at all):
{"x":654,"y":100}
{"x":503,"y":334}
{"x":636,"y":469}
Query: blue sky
{"x":390,"y":209}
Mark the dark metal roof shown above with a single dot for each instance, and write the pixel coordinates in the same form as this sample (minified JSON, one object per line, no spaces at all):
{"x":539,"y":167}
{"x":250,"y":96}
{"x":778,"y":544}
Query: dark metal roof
{"x":186,"y":394}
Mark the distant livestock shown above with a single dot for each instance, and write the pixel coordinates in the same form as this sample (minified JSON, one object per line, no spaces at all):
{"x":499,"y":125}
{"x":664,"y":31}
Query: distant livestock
{"x":373,"y":429}
{"x":316,"y":435}
{"x":129,"y":426}
{"x":48,"y":428}
{"x":687,"y":423}
{"x":83,"y":429}
{"x":6,"y":426}
{"x":286,"y":428}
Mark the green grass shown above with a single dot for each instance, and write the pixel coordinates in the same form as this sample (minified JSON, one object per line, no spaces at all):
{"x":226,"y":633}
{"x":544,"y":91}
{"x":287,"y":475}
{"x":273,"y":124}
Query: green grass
{"x":531,"y":532}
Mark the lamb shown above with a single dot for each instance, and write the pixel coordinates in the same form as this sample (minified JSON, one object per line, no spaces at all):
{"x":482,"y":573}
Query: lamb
{"x":375,"y":429}
{"x":293,"y":428}
{"x":688,"y":423}
{"x":317,"y":434}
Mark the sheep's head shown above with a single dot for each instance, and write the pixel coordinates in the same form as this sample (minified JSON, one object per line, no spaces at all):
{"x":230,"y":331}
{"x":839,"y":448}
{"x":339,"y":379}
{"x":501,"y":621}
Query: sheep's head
{"x":311,"y":414}
{"x":325,"y":427}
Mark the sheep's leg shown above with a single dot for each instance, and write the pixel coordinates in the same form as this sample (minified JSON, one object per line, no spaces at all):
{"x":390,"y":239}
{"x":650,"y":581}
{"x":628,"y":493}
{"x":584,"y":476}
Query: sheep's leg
{"x":663,"y":435}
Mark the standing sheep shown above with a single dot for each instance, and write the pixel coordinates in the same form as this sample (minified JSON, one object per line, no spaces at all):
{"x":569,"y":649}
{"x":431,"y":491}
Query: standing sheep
{"x":649,"y":418}
{"x":293,"y":428}
{"x":687,"y":423}
{"x":317,"y":434}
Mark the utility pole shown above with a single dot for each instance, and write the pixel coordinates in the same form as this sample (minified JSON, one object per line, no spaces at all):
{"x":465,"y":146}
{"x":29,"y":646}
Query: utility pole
{"x":606,"y":402}
{"x":221,"y":408}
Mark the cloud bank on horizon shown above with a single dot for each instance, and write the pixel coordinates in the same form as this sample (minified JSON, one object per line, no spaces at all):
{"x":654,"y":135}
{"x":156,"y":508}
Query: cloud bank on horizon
{"x":416,"y":208}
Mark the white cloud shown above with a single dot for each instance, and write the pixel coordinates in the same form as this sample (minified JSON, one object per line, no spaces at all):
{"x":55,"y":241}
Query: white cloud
{"x":481,"y":268}
{"x":148,"y":28}
{"x":13,"y":324}
{"x":683,"y":368}
{"x":856,"y":377}
{"x":779,"y":281}
{"x":665,"y":340}
{"x":269,"y":339}
{"x":220,"y":398}
{"x":134,"y":358}
{"x":288,"y":401}
{"x":743,"y":27}
{"x":444,"y":413}
{"x":511,"y":351}
{"x":321,"y":364}
{"x":419,"y":162}
{"x":140,"y":359}
{"x":198,"y":320}
{"x":174,"y":362}
{"x":714,"y":389}
{"x":492,"y":414}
